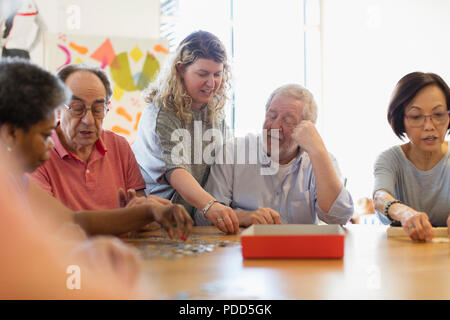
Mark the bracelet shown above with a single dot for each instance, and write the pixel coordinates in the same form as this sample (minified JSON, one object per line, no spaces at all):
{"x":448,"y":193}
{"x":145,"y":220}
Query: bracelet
{"x":386,"y":207}
{"x":208,"y":205}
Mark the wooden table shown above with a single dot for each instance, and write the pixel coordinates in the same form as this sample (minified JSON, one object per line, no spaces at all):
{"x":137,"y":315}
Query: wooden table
{"x":373,"y":267}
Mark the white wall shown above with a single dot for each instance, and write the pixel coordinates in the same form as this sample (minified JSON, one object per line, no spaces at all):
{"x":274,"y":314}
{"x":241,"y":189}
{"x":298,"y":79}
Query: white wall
{"x":133,"y":18}
{"x":269,"y":52}
{"x":368,"y":45}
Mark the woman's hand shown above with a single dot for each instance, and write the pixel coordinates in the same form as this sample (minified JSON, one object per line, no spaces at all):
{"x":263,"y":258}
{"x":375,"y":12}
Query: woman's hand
{"x":167,"y":214}
{"x":130,"y":199}
{"x":223,"y":218}
{"x":416,"y":224}
{"x":260,"y":216}
{"x":152,"y":226}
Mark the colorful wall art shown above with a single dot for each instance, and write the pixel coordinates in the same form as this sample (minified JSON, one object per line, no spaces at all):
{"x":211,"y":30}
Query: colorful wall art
{"x":131,"y":64}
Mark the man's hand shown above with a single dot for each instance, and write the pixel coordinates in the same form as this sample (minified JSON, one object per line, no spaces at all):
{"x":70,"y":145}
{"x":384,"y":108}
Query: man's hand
{"x":128,"y":198}
{"x":260,"y":216}
{"x":308,"y":138}
{"x":223,"y":218}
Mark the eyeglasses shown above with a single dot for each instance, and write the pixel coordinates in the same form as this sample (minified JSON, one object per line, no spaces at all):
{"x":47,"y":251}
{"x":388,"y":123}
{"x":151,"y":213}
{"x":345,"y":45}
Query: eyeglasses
{"x":78,"y":109}
{"x":438,"y":118}
{"x":287,"y":121}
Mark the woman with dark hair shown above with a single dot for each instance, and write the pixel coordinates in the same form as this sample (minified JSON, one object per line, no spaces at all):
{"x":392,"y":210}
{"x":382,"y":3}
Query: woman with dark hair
{"x":186,"y":102}
{"x":412,"y":181}
{"x":29,"y":97}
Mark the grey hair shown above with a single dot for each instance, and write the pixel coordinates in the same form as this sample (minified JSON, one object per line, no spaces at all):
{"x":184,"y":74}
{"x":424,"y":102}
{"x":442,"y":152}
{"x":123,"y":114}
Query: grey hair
{"x":66,"y":71}
{"x":297,"y":92}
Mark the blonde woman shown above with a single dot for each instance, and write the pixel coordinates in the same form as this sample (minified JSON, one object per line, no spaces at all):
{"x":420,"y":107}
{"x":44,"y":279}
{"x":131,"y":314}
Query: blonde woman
{"x":183,"y":124}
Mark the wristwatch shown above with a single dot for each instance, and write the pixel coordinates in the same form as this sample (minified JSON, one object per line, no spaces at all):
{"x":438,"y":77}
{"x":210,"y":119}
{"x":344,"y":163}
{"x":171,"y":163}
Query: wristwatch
{"x":386,"y":207}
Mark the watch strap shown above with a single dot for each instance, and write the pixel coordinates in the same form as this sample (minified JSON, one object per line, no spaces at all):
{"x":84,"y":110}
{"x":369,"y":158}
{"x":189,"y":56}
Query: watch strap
{"x":386,"y":207}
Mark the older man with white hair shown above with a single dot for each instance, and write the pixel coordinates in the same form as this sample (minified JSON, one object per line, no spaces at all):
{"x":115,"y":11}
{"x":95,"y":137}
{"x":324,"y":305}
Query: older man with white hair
{"x":284,"y":176}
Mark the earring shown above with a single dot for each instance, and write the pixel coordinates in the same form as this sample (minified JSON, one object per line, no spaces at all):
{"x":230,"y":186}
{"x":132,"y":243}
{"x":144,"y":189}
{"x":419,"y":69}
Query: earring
{"x":9,"y":149}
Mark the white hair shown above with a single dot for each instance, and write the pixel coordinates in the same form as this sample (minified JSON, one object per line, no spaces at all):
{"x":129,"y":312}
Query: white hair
{"x":297,"y":92}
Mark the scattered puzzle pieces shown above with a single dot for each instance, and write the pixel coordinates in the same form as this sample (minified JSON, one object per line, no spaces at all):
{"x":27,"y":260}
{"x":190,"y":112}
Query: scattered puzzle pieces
{"x":161,"y":246}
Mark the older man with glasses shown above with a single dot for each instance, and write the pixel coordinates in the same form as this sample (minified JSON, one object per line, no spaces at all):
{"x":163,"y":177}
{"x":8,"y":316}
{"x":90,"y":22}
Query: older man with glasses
{"x":292,"y":177}
{"x":88,"y":165}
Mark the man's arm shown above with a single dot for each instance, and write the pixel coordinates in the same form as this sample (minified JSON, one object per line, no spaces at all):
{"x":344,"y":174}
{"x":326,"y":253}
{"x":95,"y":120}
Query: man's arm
{"x":328,"y":184}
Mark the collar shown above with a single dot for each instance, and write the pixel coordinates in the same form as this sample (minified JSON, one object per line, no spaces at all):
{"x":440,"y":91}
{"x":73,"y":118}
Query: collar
{"x":63,"y":152}
{"x":266,"y":161}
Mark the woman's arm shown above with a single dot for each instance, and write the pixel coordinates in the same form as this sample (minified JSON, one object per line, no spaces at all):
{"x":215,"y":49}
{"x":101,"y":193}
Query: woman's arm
{"x":116,"y":221}
{"x":119,"y":221}
{"x":55,"y":214}
{"x":222,"y":216}
{"x":416,"y":224}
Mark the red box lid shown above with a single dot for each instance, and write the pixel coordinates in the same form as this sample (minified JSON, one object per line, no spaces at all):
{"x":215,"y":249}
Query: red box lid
{"x":293,"y":241}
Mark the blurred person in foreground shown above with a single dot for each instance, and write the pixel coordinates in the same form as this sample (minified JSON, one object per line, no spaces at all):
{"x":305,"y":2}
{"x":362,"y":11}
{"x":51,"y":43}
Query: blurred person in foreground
{"x":36,"y":264}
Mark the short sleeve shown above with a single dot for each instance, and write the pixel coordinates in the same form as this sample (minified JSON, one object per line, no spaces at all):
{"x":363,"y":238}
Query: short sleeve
{"x":133,"y":177}
{"x":153,"y":146}
{"x":173,"y":141}
{"x":384,"y":173}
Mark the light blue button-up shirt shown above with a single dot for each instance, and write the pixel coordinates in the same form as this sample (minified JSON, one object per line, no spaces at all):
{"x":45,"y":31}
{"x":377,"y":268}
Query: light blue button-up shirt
{"x":250,"y":186}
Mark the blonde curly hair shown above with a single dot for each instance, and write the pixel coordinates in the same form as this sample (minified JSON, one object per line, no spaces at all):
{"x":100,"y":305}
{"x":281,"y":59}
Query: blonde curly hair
{"x":168,"y":91}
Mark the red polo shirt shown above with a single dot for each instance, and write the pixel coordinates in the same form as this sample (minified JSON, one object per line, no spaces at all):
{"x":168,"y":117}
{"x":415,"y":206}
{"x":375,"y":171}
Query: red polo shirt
{"x":90,"y":185}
